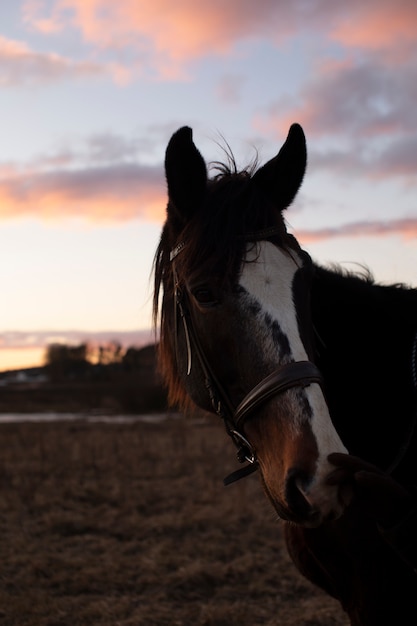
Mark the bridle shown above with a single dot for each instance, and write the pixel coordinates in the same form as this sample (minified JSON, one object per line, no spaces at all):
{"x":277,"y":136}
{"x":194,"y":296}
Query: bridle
{"x":295,"y":374}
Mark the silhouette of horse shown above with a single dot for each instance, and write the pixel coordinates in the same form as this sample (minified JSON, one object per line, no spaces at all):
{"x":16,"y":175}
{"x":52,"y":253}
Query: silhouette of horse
{"x":298,"y":360}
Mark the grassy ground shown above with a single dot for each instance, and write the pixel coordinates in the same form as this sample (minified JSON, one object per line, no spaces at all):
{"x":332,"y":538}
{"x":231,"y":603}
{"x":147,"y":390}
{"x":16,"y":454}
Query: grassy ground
{"x":122,"y":525}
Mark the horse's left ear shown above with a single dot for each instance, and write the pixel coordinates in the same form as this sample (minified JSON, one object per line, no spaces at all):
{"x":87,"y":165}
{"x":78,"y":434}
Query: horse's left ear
{"x":186,"y":175}
{"x":282,"y":176}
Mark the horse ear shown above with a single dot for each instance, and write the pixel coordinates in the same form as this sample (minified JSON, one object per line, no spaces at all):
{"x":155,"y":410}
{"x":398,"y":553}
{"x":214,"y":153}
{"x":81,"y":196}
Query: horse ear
{"x":186,"y":174}
{"x":282,"y":176}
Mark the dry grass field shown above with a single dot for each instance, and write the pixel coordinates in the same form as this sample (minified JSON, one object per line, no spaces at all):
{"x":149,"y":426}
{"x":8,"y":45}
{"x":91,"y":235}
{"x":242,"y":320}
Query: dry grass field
{"x":130,"y":525}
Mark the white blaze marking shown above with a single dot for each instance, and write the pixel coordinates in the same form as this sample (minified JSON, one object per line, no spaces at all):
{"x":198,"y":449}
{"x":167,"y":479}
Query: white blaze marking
{"x":268,"y":277}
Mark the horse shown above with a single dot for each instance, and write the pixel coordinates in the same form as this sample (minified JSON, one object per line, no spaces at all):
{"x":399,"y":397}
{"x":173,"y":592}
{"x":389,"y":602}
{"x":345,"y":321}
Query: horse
{"x":299,"y":360}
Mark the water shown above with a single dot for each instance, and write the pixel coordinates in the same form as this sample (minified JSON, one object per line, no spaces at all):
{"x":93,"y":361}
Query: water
{"x":154,"y":418}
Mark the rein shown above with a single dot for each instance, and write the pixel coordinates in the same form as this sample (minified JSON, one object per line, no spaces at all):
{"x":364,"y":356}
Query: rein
{"x":295,"y":374}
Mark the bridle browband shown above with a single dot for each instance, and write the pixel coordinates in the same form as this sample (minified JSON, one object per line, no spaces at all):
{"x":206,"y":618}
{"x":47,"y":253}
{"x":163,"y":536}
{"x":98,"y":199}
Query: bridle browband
{"x":294,"y":374}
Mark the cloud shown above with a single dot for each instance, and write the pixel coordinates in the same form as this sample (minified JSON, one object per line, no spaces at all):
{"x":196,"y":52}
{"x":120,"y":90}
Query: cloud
{"x":101,"y":179}
{"x":20,"y":65}
{"x":164,"y":35}
{"x":167,"y":36}
{"x":47,"y":25}
{"x":398,"y":158}
{"x":394,"y":159}
{"x":229,"y":88}
{"x":405,"y":227}
{"x":108,"y":193}
{"x":102,"y":148}
{"x":360,"y":97}
{"x":386,"y":27}
{"x":361,"y":114}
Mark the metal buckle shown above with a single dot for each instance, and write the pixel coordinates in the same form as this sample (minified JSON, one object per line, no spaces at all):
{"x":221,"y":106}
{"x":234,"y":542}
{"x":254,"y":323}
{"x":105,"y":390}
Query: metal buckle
{"x":245,"y":450}
{"x":175,"y":251}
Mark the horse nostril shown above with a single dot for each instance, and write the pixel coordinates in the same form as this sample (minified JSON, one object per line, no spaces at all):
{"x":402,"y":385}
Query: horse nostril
{"x":296,"y":484}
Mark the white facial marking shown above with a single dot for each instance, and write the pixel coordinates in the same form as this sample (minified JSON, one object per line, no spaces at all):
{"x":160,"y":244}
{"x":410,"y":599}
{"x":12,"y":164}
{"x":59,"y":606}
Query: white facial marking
{"x":268,"y":277}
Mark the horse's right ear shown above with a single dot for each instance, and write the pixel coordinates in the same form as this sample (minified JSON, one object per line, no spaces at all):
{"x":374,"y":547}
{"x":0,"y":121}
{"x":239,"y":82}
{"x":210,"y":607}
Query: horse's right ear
{"x":186,"y":175}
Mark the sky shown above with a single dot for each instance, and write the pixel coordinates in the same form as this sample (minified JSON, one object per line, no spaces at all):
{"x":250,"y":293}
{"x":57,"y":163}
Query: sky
{"x":91,"y":92}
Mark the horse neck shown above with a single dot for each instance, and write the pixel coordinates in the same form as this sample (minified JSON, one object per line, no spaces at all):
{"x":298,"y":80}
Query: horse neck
{"x":354,"y":317}
{"x":364,"y":347}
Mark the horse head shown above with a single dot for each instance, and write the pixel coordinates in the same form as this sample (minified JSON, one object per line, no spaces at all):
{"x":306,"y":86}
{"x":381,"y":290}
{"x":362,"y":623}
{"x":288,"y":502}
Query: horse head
{"x":236,"y":330}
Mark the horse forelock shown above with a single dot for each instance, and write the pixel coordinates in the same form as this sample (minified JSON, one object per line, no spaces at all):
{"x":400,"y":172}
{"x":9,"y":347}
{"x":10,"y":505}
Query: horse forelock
{"x":215,"y":238}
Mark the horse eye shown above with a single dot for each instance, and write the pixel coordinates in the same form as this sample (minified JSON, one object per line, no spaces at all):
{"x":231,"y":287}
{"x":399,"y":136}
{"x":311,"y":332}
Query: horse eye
{"x":204,"y":296}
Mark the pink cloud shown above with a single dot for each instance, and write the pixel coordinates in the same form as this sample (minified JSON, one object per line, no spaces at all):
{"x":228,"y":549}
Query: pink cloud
{"x":20,"y":65}
{"x":49,"y":25}
{"x":349,"y":97}
{"x":405,"y":227}
{"x":384,"y":26}
{"x":168,"y":35}
{"x":108,"y":193}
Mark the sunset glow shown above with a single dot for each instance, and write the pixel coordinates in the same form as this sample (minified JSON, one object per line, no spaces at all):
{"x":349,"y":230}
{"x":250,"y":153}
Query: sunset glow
{"x":20,"y":358}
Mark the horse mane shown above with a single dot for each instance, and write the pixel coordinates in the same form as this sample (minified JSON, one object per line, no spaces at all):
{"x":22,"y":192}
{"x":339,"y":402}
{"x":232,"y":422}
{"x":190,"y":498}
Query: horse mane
{"x":364,"y":278}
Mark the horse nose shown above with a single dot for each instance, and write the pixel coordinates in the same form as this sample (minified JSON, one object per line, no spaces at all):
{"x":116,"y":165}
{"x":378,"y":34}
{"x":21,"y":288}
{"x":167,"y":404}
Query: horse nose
{"x":295,"y":487}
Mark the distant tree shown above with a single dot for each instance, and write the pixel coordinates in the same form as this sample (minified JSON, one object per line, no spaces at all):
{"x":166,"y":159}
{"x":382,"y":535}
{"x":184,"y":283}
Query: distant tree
{"x":63,"y":361}
{"x":132,"y":358}
{"x":140,"y":358}
{"x":109,"y":353}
